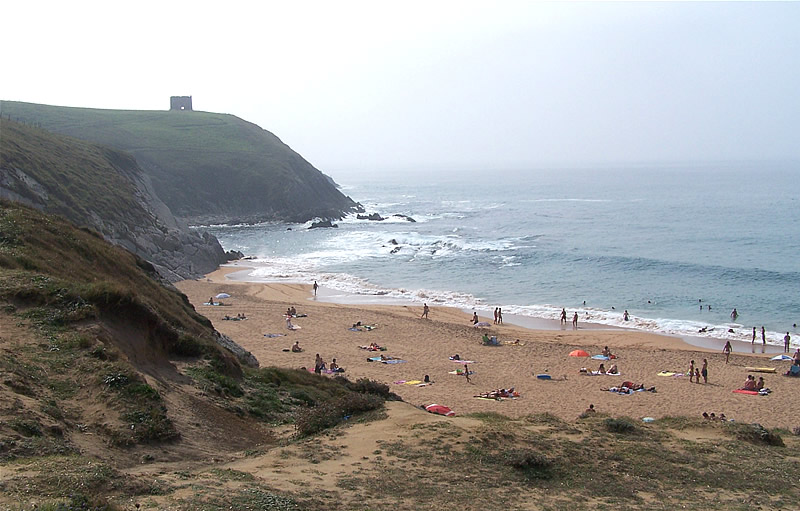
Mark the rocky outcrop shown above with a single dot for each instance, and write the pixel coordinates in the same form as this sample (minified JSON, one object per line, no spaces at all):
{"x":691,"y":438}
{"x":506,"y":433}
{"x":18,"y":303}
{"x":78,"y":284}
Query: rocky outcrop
{"x":105,"y":190}
{"x":372,"y":216}
{"x":244,"y":356}
{"x":405,"y":217}
{"x":322,"y":223}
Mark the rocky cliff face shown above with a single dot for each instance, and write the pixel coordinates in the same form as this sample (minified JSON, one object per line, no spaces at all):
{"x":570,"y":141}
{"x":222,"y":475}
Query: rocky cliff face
{"x":105,"y":190}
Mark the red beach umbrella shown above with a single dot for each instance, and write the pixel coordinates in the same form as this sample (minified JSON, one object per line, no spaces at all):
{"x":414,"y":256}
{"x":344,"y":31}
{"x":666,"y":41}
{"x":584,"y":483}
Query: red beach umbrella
{"x":578,"y":353}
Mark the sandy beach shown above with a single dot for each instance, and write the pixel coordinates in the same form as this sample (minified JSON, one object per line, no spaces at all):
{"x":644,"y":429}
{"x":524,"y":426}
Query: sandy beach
{"x":425,"y":346}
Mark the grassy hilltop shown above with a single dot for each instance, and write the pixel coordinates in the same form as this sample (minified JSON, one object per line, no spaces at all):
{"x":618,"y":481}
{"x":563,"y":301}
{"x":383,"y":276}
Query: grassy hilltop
{"x":204,"y":166}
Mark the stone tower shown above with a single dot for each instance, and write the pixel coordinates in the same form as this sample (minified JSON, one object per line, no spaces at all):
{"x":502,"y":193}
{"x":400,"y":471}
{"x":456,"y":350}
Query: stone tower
{"x":180,"y":103}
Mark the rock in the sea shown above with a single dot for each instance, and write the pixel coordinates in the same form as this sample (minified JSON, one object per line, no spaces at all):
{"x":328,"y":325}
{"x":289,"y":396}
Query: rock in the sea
{"x":323,"y":223}
{"x":371,"y":216}
{"x":406,"y":217}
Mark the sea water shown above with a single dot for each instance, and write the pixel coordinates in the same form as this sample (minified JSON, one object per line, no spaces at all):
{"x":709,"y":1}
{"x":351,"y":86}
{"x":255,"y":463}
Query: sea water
{"x":678,"y":247}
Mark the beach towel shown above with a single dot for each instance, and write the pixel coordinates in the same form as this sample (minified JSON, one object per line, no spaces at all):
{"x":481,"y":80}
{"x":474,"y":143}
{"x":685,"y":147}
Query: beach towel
{"x":463,"y":361}
{"x":293,"y":327}
{"x":748,"y":392}
{"x":393,"y":361}
{"x":544,"y":377}
{"x":354,"y":329}
{"x":675,"y":374}
{"x":598,"y":373}
{"x":513,"y":343}
{"x":274,"y":335}
{"x":374,"y":359}
{"x":480,"y":324}
{"x":600,"y":357}
{"x":440,"y":409}
{"x":460,"y":373}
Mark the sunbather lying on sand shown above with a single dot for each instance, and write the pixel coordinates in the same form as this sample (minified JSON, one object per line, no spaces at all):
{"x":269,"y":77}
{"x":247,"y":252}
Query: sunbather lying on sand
{"x":499,"y":393}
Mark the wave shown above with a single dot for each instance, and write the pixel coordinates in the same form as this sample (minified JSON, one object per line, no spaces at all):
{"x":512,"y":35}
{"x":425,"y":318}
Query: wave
{"x":303,"y":271}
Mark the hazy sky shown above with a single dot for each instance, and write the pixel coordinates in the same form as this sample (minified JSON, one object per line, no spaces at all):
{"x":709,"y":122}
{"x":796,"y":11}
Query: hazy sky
{"x":378,"y":84}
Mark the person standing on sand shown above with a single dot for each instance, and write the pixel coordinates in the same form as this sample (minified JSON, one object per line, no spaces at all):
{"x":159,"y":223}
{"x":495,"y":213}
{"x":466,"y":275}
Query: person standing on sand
{"x":697,"y":375}
{"x":786,"y":339}
{"x":563,"y":316}
{"x":691,"y":371}
{"x":499,"y":316}
{"x":763,"y":336}
{"x":704,"y":370}
{"x":316,"y":286}
{"x":475,"y":319}
{"x":727,"y":350}
{"x":575,"y":321}
{"x":425,"y":311}
{"x":466,"y":373}
{"x":495,"y":315}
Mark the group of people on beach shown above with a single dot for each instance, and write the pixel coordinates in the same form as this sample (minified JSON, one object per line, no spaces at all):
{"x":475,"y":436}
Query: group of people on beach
{"x":498,"y":316}
{"x":320,"y":365}
{"x":695,"y":372}
{"x":751,"y":384}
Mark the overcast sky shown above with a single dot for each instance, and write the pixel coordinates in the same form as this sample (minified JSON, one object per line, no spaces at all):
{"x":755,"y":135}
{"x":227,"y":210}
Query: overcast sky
{"x":384,"y":85}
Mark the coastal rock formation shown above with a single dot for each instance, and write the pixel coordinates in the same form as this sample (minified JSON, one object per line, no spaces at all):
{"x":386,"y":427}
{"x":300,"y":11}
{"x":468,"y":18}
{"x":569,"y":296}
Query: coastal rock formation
{"x":207,"y":168}
{"x":105,"y":190}
{"x":372,"y":216}
{"x":405,"y":217}
{"x":322,"y":223}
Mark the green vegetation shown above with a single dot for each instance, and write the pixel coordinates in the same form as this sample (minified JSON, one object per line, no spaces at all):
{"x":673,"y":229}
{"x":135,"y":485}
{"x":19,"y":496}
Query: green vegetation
{"x":203,"y":165}
{"x":74,"y":178}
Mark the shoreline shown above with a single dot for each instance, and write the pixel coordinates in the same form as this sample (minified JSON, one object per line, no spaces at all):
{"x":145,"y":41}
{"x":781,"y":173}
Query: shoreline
{"x":710,"y":344}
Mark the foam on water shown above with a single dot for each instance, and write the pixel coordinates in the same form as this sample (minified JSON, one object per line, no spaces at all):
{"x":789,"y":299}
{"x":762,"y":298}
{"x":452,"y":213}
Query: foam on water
{"x":647,"y":242}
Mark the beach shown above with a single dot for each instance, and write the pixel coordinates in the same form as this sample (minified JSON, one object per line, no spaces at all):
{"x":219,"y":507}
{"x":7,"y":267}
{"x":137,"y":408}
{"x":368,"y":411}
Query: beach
{"x":425,"y":345}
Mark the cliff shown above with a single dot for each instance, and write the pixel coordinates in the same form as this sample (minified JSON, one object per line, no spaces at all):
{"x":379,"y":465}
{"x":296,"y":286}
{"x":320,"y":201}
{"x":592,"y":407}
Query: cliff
{"x":104,"y":189}
{"x":206,"y":167}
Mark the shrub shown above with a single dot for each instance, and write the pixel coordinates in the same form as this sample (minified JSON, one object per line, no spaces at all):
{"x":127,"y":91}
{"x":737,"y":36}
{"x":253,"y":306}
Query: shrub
{"x":26,"y":427}
{"x":622,"y":426}
{"x":367,"y":386}
{"x":187,"y":346}
{"x":756,"y":433}
{"x":529,"y":462}
{"x":309,"y":421}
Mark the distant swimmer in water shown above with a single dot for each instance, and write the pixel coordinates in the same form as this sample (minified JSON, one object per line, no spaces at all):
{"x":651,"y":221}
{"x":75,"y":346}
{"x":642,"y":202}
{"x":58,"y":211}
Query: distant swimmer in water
{"x":734,"y":314}
{"x":754,"y":336}
{"x":625,"y":315}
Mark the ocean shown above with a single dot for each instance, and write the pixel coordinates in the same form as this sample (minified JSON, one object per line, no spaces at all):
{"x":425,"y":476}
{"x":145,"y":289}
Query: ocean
{"x":678,"y":247}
